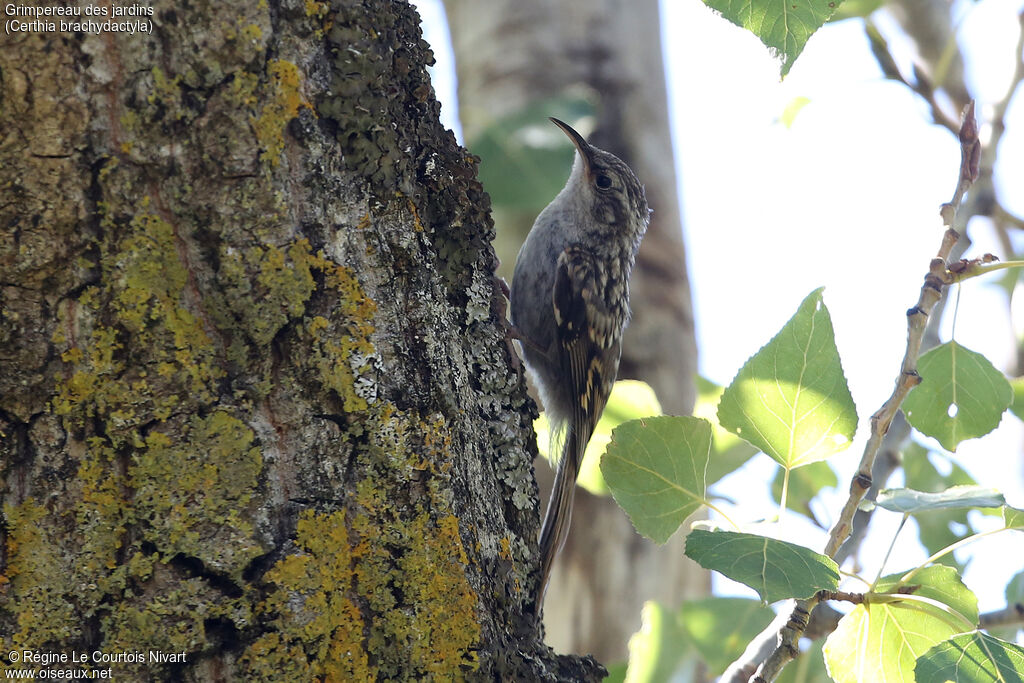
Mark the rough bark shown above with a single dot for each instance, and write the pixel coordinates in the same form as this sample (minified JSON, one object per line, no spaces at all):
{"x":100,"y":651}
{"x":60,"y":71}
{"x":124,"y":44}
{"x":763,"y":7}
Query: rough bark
{"x":256,"y":405}
{"x":509,"y":54}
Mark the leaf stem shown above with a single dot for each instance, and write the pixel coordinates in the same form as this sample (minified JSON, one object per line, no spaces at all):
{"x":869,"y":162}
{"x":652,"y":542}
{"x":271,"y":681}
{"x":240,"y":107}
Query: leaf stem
{"x":946,"y":551}
{"x":711,"y":506}
{"x":889,"y":551}
{"x":856,"y":577}
{"x":785,"y":493}
{"x":986,"y":268}
{"x":948,"y":611}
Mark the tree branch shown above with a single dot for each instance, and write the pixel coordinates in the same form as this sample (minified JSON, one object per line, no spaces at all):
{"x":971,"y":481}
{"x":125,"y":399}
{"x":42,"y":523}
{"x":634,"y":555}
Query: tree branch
{"x":921,"y":84}
{"x":886,"y":462}
{"x":1011,"y":615}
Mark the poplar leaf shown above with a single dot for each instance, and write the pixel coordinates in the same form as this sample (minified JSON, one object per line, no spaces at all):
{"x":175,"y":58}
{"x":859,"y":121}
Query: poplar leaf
{"x":791,"y":400}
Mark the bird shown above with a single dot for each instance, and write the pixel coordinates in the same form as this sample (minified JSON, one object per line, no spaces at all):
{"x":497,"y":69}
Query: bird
{"x":569,"y":304}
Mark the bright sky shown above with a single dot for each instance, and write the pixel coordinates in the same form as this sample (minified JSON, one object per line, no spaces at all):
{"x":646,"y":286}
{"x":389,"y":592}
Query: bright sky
{"x":848,"y":198}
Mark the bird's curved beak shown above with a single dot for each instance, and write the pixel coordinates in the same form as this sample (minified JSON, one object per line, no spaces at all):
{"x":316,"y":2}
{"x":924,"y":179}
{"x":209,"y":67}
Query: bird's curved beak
{"x":582,"y":146}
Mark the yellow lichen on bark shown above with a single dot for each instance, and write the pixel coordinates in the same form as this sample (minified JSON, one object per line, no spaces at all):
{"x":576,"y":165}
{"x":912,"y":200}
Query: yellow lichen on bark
{"x":282,"y":106}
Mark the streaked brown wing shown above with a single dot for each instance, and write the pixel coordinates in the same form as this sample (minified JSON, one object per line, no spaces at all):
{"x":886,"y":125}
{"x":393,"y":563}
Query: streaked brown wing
{"x":587,"y":334}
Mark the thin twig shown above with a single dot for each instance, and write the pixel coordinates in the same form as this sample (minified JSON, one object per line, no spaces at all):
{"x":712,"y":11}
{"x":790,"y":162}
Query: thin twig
{"x":921,"y":84}
{"x":887,"y":461}
{"x":917,"y":317}
{"x":841,"y":596}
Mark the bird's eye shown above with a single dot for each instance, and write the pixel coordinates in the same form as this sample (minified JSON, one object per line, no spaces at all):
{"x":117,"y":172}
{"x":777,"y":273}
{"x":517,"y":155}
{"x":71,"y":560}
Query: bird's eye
{"x":603,"y":181}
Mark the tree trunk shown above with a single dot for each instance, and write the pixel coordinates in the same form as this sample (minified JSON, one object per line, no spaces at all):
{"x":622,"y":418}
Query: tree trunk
{"x":510,"y":55}
{"x":256,"y":404}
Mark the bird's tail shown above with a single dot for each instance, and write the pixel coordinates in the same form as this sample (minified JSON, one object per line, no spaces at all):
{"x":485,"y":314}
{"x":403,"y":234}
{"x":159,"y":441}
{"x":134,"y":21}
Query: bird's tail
{"x":555,"y":529}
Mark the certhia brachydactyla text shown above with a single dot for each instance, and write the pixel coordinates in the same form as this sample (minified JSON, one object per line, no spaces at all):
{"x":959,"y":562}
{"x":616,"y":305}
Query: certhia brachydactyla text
{"x":570,"y":304}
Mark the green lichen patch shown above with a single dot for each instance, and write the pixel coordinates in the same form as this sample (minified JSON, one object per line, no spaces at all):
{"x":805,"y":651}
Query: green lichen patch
{"x":316,"y":10}
{"x":442,"y":626}
{"x":101,"y":518}
{"x":316,"y":627}
{"x":54,"y":581}
{"x":92,"y":386}
{"x":264,"y":287}
{"x":41,"y":588}
{"x":191,"y":494}
{"x":151,"y":276}
{"x":169,"y":614}
{"x":243,"y":89}
{"x":340,"y":351}
{"x":409,"y":553}
{"x":149,"y":301}
{"x":166,"y":96}
{"x":153,"y":352}
{"x":378,"y":590}
{"x":185,"y":498}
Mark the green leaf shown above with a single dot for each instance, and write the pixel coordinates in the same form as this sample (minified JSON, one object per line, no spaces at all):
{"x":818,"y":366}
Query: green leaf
{"x":655,"y":469}
{"x":972,"y":658}
{"x":961,"y":395}
{"x":721,"y":628}
{"x":659,"y":649}
{"x":910,"y":501}
{"x":791,"y":399}
{"x":940,"y":583}
{"x":728,"y":451}
{"x":881,"y":642}
{"x":855,"y":9}
{"x":1013,"y":518}
{"x":1017,"y":407}
{"x":804,"y":484}
{"x":775,"y":569}
{"x":1015,"y":589}
{"x":881,"y":639}
{"x":616,"y":672}
{"x":629,"y":400}
{"x":784,"y":27}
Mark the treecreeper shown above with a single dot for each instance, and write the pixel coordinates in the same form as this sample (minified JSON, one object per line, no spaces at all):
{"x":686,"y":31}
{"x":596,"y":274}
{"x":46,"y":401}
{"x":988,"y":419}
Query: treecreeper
{"x":570,"y":305}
